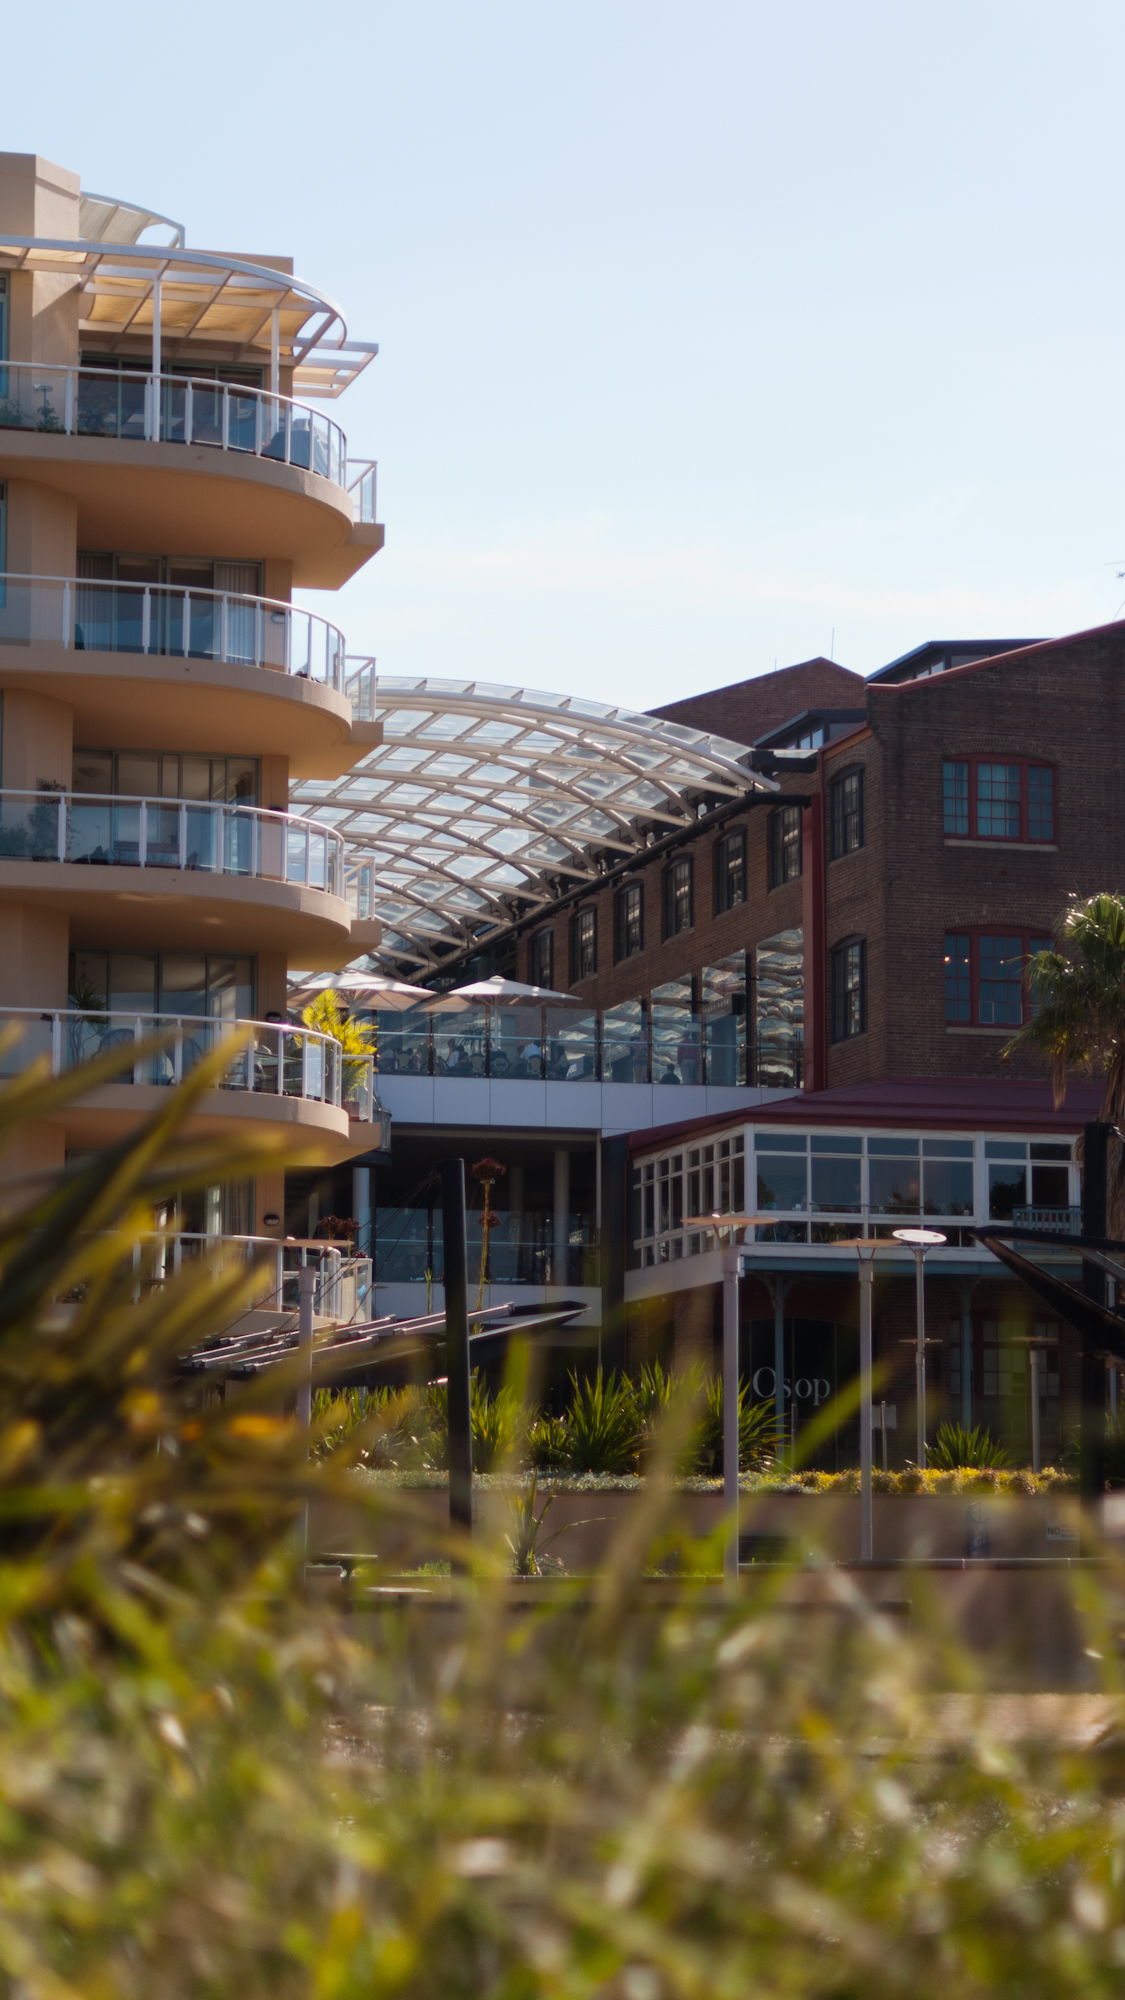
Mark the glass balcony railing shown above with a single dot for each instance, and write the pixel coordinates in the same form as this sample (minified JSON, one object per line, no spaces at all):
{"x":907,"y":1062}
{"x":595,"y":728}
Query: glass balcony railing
{"x":182,"y":409}
{"x":630,"y":1043}
{"x":96,"y":615}
{"x":100,"y":830}
{"x":521,"y":1251}
{"x":270,"y":1059}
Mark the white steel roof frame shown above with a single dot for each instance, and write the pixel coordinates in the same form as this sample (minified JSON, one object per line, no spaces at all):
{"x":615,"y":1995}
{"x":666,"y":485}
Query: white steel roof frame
{"x":134,"y":270}
{"x":423,"y":893}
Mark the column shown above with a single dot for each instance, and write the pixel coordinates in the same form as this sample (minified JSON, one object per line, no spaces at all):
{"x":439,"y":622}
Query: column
{"x":361,"y":1209}
{"x":560,"y":1258}
{"x":515,"y":1220}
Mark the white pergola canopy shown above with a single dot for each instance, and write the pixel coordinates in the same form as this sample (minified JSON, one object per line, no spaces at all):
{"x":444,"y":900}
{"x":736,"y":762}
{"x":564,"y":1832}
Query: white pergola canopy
{"x":250,"y":312}
{"x":484,"y":803}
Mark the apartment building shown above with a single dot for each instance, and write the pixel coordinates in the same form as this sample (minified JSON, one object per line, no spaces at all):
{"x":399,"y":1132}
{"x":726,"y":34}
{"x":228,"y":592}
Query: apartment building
{"x":169,"y":473}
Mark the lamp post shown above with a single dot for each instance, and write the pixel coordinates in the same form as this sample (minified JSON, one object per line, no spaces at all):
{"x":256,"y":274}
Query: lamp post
{"x":729,"y":1228}
{"x":920,"y":1240}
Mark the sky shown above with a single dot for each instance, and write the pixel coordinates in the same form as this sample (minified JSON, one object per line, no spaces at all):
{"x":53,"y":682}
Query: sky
{"x":712,"y":336}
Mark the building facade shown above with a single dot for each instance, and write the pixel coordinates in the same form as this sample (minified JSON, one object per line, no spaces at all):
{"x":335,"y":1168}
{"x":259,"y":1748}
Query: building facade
{"x":165,"y":483}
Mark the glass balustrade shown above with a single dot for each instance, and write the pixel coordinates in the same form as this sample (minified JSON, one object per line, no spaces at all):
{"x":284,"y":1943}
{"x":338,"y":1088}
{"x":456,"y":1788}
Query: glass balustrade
{"x":266,"y":1058}
{"x":102,"y":830}
{"x":96,"y":615}
{"x":182,"y":409}
{"x":660,"y":1044}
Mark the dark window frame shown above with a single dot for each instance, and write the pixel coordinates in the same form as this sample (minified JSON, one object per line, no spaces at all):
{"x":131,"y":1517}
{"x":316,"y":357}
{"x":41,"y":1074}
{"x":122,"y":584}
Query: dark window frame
{"x":584,"y":944}
{"x":843,"y":819}
{"x":848,"y":1022}
{"x":1025,"y":765}
{"x":623,"y":911}
{"x":732,"y":847}
{"x":542,"y":945}
{"x":680,"y":871}
{"x":779,"y":846}
{"x":963,"y":971}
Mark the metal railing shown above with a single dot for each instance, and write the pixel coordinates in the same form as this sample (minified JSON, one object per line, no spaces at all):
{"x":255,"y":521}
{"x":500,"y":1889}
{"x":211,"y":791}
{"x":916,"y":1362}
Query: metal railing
{"x":274,"y":1060}
{"x":1060,"y":1221}
{"x":343,"y":1283}
{"x":182,"y":409}
{"x":101,"y":615}
{"x":359,"y":686}
{"x":107,"y":830}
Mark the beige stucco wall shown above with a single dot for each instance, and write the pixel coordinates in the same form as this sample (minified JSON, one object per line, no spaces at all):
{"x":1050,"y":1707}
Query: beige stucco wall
{"x":38,"y":198}
{"x":38,"y":741}
{"x":34,"y":945}
{"x":42,"y":530}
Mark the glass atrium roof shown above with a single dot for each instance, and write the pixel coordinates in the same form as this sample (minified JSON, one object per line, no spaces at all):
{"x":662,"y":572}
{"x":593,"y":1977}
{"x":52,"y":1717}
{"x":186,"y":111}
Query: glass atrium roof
{"x":484,"y":803}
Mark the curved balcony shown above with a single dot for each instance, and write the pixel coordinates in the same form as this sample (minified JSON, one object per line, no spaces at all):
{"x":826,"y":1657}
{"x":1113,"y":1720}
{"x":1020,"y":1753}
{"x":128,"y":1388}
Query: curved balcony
{"x":277,"y":1075}
{"x":180,"y":409}
{"x":109,"y":830}
{"x":93,"y":615}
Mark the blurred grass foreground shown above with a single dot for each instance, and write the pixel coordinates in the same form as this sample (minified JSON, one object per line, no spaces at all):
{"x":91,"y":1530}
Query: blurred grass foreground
{"x":213,"y":1784}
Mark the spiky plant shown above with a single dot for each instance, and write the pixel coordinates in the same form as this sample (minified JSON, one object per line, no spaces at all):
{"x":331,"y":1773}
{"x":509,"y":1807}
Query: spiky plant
{"x":956,"y":1447}
{"x":604,"y":1430}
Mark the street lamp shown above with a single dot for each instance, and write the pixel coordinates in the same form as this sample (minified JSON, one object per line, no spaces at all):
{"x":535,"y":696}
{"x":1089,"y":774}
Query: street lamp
{"x":729,"y":1229}
{"x":920,"y":1240}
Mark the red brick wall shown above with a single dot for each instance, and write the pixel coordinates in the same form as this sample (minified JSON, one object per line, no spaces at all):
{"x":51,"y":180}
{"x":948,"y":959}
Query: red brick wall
{"x":1063,"y":704}
{"x":750,"y":709}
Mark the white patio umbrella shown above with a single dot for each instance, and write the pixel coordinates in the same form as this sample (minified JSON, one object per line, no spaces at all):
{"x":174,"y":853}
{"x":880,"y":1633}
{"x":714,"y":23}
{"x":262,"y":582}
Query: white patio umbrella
{"x":361,"y":989}
{"x":504,"y":993}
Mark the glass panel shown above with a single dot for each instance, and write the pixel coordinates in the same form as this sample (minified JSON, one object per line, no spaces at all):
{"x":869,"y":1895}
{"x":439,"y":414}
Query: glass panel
{"x":947,"y":1149}
{"x":138,"y":775}
{"x":203,"y":837}
{"x":572,"y":1045}
{"x":998,"y":801}
{"x":132,"y":983}
{"x":163,"y":836}
{"x":780,"y":1009}
{"x":948,"y":1187}
{"x":1050,"y":1187}
{"x":782,"y":1182}
{"x":1007,"y":1189}
{"x":723,"y":1002}
{"x":955,"y":790}
{"x":893,"y":1187}
{"x":183,"y":983}
{"x":1005,"y":1149}
{"x":836,"y":1184}
{"x":894,"y":1148}
{"x":1040,"y":802}
{"x":195,"y":777}
{"x":625,"y":1043}
{"x":403,"y":1043}
{"x":782,"y":1142}
{"x":676,"y":1046}
{"x":1001,"y":980}
{"x":460,"y":1042}
{"x":92,"y":771}
{"x":516,"y":1043}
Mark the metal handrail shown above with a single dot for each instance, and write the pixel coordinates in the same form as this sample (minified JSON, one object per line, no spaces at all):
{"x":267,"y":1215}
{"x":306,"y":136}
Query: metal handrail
{"x":121,"y":830}
{"x":276,"y":1059}
{"x":182,"y":409}
{"x":171,"y":620}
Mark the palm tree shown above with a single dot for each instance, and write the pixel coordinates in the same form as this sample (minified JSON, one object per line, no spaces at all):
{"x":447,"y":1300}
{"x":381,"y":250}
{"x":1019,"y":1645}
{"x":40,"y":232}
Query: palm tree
{"x":1078,"y":1022}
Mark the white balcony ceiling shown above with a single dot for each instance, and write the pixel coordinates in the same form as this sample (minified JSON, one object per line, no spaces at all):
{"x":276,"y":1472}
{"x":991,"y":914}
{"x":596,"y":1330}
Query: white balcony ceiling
{"x":484,"y":803}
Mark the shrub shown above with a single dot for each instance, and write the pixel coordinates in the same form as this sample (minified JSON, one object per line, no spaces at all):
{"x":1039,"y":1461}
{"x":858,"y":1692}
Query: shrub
{"x":956,"y":1447}
{"x":603,"y":1428}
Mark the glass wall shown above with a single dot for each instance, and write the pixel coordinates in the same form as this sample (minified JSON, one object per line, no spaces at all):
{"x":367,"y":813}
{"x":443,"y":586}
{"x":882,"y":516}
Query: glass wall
{"x":722,"y":1005}
{"x":779,"y":1008}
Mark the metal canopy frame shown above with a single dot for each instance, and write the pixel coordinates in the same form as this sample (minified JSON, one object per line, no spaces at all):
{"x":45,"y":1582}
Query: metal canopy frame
{"x":178,"y":296}
{"x":104,"y":219}
{"x":1102,"y":1329}
{"x":484,"y":803}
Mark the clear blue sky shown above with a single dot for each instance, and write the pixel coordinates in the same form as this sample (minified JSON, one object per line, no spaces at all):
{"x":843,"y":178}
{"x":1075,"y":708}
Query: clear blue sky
{"x":706,"y":329}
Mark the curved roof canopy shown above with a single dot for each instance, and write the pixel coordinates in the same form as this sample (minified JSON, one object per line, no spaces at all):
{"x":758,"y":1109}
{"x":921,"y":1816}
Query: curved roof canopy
{"x":229,"y":302}
{"x":102,"y":219}
{"x":484,"y":803}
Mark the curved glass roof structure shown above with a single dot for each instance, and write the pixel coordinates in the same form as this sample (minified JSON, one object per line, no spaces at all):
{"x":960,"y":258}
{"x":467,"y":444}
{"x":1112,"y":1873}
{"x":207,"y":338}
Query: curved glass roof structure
{"x":484,"y":803}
